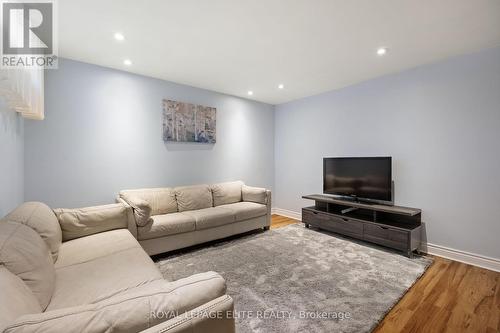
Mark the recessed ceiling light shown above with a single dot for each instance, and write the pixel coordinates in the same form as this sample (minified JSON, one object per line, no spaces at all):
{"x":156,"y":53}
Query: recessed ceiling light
{"x":119,"y":36}
{"x":281,"y":86}
{"x":250,"y":93}
{"x":127,"y":62}
{"x":381,"y":51}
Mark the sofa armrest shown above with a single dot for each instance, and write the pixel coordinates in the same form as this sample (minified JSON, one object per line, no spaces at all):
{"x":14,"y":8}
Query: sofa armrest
{"x":132,"y":311}
{"x":80,"y":222}
{"x":259,"y":195}
{"x":254,"y":194}
{"x":131,"y":223}
{"x":214,"y":316}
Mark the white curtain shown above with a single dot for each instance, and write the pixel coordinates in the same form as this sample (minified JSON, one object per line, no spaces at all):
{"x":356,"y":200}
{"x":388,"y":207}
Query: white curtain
{"x":22,"y":91}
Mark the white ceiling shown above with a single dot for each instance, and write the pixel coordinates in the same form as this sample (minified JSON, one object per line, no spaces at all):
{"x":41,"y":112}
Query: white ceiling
{"x":310,"y":46}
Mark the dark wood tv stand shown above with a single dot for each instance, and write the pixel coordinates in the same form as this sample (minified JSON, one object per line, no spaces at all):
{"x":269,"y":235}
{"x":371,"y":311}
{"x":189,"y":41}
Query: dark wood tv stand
{"x":395,"y":227}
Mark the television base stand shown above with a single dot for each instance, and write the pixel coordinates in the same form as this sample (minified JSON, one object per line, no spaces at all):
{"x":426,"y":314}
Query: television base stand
{"x":395,"y":227}
{"x":347,"y":210}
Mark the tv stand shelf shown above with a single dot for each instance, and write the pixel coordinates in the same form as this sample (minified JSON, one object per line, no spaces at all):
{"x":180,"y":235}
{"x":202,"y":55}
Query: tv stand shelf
{"x":381,"y":208}
{"x":395,"y":227}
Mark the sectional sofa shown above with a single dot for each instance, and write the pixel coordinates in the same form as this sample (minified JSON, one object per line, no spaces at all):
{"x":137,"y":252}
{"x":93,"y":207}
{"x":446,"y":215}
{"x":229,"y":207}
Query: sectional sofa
{"x":81,"y":270}
{"x":167,"y":219}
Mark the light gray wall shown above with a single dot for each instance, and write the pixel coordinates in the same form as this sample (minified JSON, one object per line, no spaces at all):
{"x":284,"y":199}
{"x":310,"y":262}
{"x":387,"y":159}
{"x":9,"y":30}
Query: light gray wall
{"x":11,"y":159}
{"x":441,"y":125}
{"x":103,"y":132}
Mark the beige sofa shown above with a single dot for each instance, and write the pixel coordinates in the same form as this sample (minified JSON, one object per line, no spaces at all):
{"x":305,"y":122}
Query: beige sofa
{"x":82,"y":271}
{"x":172,"y":218}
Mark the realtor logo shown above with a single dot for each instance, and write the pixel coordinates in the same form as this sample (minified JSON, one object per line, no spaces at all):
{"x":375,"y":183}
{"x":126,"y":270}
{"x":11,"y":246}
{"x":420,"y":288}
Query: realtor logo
{"x":28,"y":34}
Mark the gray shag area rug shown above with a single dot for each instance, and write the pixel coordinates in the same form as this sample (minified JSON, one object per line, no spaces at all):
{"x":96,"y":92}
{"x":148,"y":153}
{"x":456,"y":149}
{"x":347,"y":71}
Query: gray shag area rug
{"x":294,"y":279}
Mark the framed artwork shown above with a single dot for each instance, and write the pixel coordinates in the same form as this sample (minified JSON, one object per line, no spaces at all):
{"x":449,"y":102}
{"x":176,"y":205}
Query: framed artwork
{"x":186,"y":122}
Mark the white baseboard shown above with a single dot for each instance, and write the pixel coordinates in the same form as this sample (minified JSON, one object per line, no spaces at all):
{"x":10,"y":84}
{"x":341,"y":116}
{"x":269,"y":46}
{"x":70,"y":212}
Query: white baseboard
{"x":465,"y":257}
{"x":437,"y":250}
{"x":287,"y":213}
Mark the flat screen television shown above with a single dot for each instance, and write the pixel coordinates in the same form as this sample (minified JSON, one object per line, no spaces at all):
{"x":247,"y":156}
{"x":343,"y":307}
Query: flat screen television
{"x":360,"y":178}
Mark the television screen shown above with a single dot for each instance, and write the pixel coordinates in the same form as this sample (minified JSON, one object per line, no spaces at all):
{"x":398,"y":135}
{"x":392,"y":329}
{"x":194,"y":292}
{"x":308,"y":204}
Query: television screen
{"x":359,"y":177}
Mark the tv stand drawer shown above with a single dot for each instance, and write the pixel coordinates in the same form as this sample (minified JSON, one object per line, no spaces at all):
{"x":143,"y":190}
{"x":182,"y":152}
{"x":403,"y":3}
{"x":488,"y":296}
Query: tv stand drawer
{"x":314,"y":218}
{"x":346,"y":226}
{"x":330,"y":222}
{"x":385,"y":236}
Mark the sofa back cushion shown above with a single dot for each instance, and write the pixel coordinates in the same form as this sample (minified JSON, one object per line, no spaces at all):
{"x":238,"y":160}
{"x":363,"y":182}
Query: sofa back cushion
{"x":39,"y":217}
{"x":161,"y":200}
{"x":17,"y":299}
{"x":226,"y":193}
{"x":26,"y":255}
{"x":80,"y":222}
{"x":193,"y":197}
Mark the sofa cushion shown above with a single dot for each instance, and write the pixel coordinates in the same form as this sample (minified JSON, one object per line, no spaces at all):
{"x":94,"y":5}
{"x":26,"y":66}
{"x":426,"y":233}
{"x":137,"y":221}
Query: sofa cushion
{"x":226,"y":193}
{"x":16,"y":300}
{"x":105,"y":273}
{"x":193,"y":197}
{"x":39,"y":217}
{"x":131,"y":311}
{"x":162,"y":200}
{"x":212,"y":217}
{"x":246,"y":210}
{"x":80,"y":250}
{"x":165,"y":225}
{"x":82,"y":222}
{"x":254,"y":194}
{"x":142,"y":210}
{"x":26,"y":255}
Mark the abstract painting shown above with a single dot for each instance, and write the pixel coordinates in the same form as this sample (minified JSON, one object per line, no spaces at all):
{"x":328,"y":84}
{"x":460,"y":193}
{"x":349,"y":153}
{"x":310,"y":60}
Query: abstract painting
{"x":185,"y":122}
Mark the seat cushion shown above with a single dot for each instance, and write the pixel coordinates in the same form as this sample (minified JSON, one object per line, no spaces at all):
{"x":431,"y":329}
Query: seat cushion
{"x":26,"y":255}
{"x":226,"y":193}
{"x":211,"y":217}
{"x":246,"y":210}
{"x":162,"y":200}
{"x":104,"y":273}
{"x":86,"y":221}
{"x":166,"y":224}
{"x":193,"y":197}
{"x":95,"y":246}
{"x":16,"y":300}
{"x":39,"y":217}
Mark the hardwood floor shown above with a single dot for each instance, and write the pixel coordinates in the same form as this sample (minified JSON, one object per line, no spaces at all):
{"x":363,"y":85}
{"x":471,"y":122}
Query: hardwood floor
{"x":450,"y":297}
{"x":278,"y":221}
